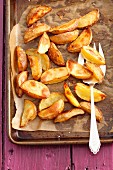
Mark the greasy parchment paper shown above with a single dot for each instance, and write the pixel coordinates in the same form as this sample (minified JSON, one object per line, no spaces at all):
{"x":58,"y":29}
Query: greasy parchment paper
{"x":77,"y":124}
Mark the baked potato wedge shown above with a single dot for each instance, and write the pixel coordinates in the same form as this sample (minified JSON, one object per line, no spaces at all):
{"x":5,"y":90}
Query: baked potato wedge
{"x":44,"y":44}
{"x":35,"y":89}
{"x":83,"y":39}
{"x":20,"y":78}
{"x":54,"y":75}
{"x":66,"y":27}
{"x":77,"y":70}
{"x":69,"y":95}
{"x":55,"y":55}
{"x":83,"y":91}
{"x":96,"y":70}
{"x":54,"y":97}
{"x":36,"y":66}
{"x":88,"y":19}
{"x":22,"y":62}
{"x":29,"y":112}
{"x":54,"y":110}
{"x":37,"y":13}
{"x":92,"y":55}
{"x":65,"y":38}
{"x":68,"y":114}
{"x":86,"y":106}
{"x":44,"y":58}
{"x":35,"y":31}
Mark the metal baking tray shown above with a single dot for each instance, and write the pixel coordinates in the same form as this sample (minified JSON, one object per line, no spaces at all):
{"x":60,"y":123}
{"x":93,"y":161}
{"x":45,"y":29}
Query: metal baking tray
{"x":14,"y":9}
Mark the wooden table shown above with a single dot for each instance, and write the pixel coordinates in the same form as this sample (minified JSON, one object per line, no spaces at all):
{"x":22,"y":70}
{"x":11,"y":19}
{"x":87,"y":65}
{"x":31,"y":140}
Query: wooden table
{"x":65,"y":157}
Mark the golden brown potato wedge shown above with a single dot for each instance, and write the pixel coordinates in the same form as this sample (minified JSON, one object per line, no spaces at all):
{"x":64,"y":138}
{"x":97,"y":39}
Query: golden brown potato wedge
{"x":35,"y":89}
{"x":35,"y":31}
{"x":54,"y":97}
{"x":37,"y":13}
{"x":44,"y":44}
{"x":55,"y":55}
{"x":83,"y":39}
{"x":52,"y":111}
{"x":36,"y":66}
{"x":83,"y":91}
{"x":66,"y":27}
{"x":54,"y":75}
{"x":88,"y":19}
{"x":77,"y":70}
{"x":44,"y":58}
{"x":72,"y":99}
{"x":29,"y":112}
{"x":86,"y":106}
{"x":22,"y":62}
{"x":96,"y":70}
{"x":65,"y":38}
{"x":20,"y":78}
{"x":92,"y":55}
{"x":68,"y":114}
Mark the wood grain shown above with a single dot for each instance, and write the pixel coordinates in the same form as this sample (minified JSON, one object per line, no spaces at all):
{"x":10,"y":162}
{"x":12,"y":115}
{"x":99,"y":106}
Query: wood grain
{"x":84,"y":159}
{"x":1,"y":55}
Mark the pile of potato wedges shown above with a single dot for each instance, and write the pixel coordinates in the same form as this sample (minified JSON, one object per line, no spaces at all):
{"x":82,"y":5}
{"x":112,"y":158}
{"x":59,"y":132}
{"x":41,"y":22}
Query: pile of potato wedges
{"x":52,"y":104}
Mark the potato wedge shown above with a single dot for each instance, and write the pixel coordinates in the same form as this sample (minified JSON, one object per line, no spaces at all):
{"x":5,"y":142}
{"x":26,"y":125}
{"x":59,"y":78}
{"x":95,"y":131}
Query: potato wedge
{"x":77,"y":70}
{"x":52,"y":111}
{"x":22,"y":62}
{"x":72,"y":99}
{"x":83,"y":91}
{"x":68,"y":114}
{"x":44,"y":58}
{"x":65,"y":38}
{"x":54,"y":97}
{"x":88,"y":19}
{"x":44,"y":44}
{"x":92,"y":55}
{"x":96,"y":70}
{"x":35,"y":89}
{"x":36,"y":66}
{"x":55,"y":55}
{"x":83,"y":39}
{"x":66,"y":27}
{"x":54,"y":75}
{"x":37,"y":13}
{"x":29,"y":112}
{"x":86,"y":106}
{"x":20,"y":78}
{"x":35,"y":31}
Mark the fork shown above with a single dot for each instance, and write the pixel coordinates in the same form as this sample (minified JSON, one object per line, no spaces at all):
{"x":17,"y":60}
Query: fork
{"x":94,"y":140}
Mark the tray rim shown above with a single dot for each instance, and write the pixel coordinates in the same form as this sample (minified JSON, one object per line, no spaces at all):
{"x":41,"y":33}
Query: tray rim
{"x":8,"y":97}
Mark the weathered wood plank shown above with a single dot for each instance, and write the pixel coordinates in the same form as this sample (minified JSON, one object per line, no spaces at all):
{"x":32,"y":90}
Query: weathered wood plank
{"x":84,"y":159}
{"x":1,"y":55}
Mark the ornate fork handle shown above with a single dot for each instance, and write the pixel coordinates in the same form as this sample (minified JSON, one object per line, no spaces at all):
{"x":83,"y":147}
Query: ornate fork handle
{"x":94,"y":141}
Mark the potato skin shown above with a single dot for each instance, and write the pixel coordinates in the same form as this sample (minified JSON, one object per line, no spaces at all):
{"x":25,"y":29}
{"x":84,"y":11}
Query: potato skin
{"x":35,"y":31}
{"x":66,"y":27}
{"x":83,"y":39}
{"x":65,"y":38}
{"x":29,"y":112}
{"x":55,"y":55}
{"x":22,"y":62}
{"x":52,"y":111}
{"x":37,"y":13}
{"x":35,"y":89}
{"x":86,"y":106}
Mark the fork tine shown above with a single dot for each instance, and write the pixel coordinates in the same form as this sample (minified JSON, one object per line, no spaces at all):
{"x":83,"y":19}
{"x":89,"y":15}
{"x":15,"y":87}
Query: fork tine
{"x":101,"y":51}
{"x":94,"y":46}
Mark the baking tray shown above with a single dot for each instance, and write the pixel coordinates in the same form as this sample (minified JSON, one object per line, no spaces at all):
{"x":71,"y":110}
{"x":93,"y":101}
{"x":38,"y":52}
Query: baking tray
{"x":14,"y":9}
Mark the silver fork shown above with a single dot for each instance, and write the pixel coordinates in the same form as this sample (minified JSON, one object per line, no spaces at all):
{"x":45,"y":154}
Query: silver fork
{"x":94,"y":140}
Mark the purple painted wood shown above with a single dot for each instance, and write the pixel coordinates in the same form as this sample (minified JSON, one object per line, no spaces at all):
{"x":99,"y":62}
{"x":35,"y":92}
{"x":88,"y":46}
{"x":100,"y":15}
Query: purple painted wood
{"x":1,"y":55}
{"x":83,"y":159}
